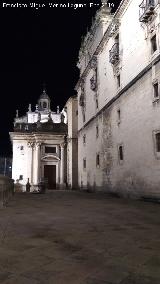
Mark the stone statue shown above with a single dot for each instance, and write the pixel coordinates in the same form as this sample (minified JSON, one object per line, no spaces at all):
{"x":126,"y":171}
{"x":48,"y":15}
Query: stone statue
{"x":62,"y":117}
{"x":29,"y":107}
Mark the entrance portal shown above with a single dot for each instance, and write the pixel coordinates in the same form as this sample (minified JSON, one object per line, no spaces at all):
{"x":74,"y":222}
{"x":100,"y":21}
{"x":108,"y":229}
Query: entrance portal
{"x":50,"y":175}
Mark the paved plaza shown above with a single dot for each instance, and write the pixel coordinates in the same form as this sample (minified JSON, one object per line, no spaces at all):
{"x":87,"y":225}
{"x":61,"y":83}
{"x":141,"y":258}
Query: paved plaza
{"x":65,"y":237}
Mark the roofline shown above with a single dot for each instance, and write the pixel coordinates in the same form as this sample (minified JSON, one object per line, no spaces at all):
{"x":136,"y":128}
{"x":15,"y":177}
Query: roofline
{"x":115,"y":15}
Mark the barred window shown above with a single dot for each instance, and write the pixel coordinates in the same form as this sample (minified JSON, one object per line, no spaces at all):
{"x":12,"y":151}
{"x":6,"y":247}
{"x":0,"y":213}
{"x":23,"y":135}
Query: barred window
{"x":118,"y":80}
{"x":97,"y":131}
{"x":84,"y":139}
{"x":119,"y":114}
{"x":154,"y":43}
{"x":155,"y":90}
{"x":84,"y":116}
{"x":97,"y":160}
{"x":96,"y":103}
{"x":121,"y":156}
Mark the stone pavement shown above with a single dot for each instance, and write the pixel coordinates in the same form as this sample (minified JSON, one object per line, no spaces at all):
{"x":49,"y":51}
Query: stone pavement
{"x":79,"y":238}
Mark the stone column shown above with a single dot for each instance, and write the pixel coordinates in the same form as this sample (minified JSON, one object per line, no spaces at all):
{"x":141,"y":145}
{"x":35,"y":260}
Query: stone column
{"x":62,"y":166}
{"x":37,"y":163}
{"x":30,"y":161}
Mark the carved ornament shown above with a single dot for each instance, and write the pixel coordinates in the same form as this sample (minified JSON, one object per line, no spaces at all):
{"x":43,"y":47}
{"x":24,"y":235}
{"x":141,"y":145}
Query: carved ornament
{"x":93,"y":62}
{"x":30,"y":144}
{"x":93,"y":83}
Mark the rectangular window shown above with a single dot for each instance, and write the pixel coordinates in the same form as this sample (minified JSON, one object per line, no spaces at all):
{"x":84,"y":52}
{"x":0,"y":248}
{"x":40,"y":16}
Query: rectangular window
{"x":155,"y":90}
{"x":50,"y":149}
{"x":84,"y":163}
{"x":97,"y":160}
{"x":118,"y":80}
{"x":119,"y":114}
{"x":84,"y":139}
{"x":95,"y":73}
{"x":97,"y":131}
{"x":84,"y":117}
{"x":96,"y":103}
{"x":153,"y":43}
{"x":121,"y":158}
{"x":157,"y":135}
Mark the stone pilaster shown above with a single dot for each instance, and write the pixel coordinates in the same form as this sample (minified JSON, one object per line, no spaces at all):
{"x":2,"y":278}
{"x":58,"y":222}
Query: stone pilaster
{"x":37,"y":163}
{"x":30,"y":145}
{"x":62,"y":167}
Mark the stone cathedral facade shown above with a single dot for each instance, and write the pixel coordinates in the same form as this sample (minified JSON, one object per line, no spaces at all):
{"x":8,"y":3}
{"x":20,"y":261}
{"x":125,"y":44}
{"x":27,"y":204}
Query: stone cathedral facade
{"x":119,"y":100}
{"x":40,"y":143}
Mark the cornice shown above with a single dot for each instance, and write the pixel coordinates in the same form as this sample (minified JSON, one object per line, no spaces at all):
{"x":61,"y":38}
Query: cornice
{"x":35,"y":137}
{"x":20,"y":136}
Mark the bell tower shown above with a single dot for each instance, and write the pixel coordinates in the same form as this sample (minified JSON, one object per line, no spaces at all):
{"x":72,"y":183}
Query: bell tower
{"x":44,"y":101}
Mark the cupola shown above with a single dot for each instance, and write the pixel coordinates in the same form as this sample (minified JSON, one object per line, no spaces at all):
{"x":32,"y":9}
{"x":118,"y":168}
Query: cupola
{"x":44,"y":101}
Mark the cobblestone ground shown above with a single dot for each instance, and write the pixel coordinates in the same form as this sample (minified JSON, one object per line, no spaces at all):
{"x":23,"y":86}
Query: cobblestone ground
{"x":79,"y":238}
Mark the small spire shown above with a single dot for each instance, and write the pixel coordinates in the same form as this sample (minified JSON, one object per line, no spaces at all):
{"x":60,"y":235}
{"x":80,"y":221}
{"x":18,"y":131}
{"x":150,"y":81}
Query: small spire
{"x":62,"y":117}
{"x":39,"y":117}
{"x":57,"y":109}
{"x":36,"y":107}
{"x":44,"y":87}
{"x":49,"y":116}
{"x":29,"y":107}
{"x":17,"y":113}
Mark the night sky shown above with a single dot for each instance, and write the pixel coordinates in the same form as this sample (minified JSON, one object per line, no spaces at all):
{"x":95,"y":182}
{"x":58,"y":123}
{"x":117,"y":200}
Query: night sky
{"x":37,"y":46}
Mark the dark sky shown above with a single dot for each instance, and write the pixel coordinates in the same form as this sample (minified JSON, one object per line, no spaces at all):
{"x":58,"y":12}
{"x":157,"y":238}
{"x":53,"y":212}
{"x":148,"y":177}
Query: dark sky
{"x":38,"y":46}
